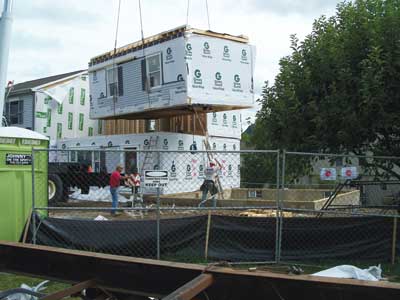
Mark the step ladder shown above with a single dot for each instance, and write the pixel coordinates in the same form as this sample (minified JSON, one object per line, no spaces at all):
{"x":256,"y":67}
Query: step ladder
{"x":148,"y":161}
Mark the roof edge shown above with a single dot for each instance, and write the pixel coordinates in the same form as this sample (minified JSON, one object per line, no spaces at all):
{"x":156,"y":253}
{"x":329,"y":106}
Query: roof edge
{"x":165,"y":35}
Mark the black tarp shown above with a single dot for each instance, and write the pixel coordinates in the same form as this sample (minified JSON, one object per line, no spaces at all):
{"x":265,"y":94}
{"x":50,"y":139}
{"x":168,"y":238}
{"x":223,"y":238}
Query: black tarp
{"x":231,"y":238}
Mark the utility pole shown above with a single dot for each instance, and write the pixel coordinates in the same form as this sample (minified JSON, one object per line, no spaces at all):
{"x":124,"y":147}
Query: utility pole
{"x":5,"y":37}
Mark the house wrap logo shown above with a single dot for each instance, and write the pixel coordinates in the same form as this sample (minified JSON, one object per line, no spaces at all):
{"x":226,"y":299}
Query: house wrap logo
{"x":218,"y":85}
{"x":224,"y":147}
{"x":169,"y":58}
{"x":225,"y":120}
{"x":188,"y":172}
{"x":226,"y":55}
{"x":214,"y":146}
{"x":206,"y":50}
{"x":244,"y":58}
{"x":165,"y":144}
{"x":146,"y":143}
{"x":234,"y":121}
{"x":214,"y":120}
{"x":188,"y":51}
{"x":237,"y":86}
{"x":197,"y":80}
{"x":180,"y":145}
{"x":230,"y":171}
{"x":201,"y":171}
{"x":234,"y":147}
{"x":179,"y":77}
{"x":172,"y":174}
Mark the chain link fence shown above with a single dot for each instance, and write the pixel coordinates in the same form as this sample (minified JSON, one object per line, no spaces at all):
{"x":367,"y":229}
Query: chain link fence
{"x":329,"y":181}
{"x":270,"y":206}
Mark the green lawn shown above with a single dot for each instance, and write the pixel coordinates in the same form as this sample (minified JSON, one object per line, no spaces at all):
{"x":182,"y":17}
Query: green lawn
{"x":10,"y":281}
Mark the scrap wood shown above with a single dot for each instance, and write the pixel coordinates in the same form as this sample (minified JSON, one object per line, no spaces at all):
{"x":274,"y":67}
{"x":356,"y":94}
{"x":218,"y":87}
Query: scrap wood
{"x":260,"y":213}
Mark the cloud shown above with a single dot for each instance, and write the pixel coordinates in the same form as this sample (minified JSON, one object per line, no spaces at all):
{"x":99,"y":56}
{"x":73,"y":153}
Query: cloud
{"x":51,"y":37}
{"x":23,"y":39}
{"x":67,"y":12}
{"x":287,"y":7}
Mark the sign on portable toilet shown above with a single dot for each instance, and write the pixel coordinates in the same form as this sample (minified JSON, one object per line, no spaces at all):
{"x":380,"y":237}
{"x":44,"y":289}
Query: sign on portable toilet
{"x":16,"y":160}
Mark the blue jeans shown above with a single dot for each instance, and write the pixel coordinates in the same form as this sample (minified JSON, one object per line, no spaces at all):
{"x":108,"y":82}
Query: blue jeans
{"x":208,"y":187}
{"x":114,"y":196}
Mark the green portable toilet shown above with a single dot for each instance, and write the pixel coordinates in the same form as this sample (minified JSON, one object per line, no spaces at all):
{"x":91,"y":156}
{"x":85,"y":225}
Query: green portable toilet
{"x":16,"y":178}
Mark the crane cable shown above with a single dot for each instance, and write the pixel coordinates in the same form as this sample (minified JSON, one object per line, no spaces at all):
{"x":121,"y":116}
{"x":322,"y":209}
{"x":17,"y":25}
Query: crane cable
{"x":147,"y":83}
{"x":208,"y":15}
{"x":187,"y":14}
{"x":114,"y":55}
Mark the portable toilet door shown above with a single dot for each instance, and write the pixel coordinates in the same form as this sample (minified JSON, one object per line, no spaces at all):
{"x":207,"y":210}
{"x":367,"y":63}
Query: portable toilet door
{"x":16,"y":146}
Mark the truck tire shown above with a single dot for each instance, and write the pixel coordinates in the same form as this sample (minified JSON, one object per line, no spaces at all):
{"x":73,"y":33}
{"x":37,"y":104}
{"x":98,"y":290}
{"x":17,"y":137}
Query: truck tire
{"x":55,"y":189}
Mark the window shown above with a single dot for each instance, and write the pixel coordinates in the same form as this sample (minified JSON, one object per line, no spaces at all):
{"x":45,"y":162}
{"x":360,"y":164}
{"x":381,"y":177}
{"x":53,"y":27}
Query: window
{"x":94,"y":76}
{"x":112,"y":82}
{"x":154,"y":70}
{"x":115,"y":81}
{"x":71,"y":95}
{"x":15,"y":112}
{"x":83,"y":96}
{"x":73,"y":156}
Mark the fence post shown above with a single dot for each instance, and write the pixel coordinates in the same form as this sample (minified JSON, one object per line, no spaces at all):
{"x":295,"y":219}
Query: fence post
{"x":207,"y":235}
{"x":394,"y":240}
{"x":33,"y":212}
{"x":277,"y":229}
{"x":158,"y":222}
{"x":281,"y":215}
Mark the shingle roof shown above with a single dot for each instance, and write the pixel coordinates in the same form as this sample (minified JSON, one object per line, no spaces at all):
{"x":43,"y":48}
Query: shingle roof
{"x":26,"y":86}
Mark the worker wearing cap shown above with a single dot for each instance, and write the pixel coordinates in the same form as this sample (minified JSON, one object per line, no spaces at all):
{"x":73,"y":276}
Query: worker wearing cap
{"x":210,"y":174}
{"x":115,"y":182}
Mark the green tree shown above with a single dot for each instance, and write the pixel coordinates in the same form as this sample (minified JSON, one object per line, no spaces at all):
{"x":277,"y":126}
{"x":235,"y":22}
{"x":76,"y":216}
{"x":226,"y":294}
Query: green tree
{"x":339,"y":90}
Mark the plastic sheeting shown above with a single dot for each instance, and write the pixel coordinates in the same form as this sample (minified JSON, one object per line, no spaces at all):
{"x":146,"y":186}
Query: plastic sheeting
{"x":345,"y":271}
{"x":231,"y":238}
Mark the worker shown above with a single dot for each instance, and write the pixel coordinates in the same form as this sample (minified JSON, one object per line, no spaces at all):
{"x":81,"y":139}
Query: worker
{"x":133,"y":181}
{"x":115,"y":182}
{"x":210,"y":176}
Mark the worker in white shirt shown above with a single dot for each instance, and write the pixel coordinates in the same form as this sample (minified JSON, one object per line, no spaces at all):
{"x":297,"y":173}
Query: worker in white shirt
{"x":210,"y":176}
{"x":133,"y":181}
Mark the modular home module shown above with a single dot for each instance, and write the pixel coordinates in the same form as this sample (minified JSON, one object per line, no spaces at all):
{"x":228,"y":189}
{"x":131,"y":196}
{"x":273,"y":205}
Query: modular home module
{"x":171,"y":73}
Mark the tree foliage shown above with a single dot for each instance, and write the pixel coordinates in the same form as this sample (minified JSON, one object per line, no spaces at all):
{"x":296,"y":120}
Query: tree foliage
{"x":339,"y":90}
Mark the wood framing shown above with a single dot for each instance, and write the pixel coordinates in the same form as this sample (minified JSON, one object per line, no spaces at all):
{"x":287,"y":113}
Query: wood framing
{"x":154,"y":278}
{"x":188,"y":124}
{"x":192,"y":288}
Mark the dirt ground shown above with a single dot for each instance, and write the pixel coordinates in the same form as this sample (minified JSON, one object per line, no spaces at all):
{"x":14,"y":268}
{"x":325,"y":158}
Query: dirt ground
{"x":80,"y":211}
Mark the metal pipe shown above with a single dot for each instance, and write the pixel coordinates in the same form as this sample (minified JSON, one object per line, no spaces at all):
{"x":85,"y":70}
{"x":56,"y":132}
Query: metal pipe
{"x":5,"y":37}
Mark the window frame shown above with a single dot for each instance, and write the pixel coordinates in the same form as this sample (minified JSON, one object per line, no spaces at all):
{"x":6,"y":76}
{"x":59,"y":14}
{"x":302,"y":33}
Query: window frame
{"x":20,"y":111}
{"x":115,"y":77}
{"x":148,"y":73}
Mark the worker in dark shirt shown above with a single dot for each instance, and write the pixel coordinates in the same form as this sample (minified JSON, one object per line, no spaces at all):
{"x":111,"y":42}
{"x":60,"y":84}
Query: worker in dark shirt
{"x":115,"y":182}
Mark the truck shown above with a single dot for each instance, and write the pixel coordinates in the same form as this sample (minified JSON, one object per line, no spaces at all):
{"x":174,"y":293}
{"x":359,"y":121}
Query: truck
{"x":62,"y":176}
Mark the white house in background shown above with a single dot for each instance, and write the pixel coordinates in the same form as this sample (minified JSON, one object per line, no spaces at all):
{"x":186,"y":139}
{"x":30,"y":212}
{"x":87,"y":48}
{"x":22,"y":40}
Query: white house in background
{"x":56,"y":106}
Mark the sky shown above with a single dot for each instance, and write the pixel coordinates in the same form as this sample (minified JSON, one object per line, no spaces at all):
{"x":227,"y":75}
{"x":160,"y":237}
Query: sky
{"x":58,"y":36}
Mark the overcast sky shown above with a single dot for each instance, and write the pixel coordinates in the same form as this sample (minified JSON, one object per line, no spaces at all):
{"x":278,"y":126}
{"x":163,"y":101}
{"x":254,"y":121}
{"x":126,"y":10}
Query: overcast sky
{"x":58,"y":36}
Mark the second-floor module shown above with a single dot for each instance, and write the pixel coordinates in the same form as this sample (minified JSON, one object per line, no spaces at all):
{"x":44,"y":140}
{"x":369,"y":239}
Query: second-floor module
{"x":170,"y":73}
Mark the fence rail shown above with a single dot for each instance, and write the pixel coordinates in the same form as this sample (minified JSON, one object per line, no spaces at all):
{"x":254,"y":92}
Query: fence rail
{"x":269,"y":205}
